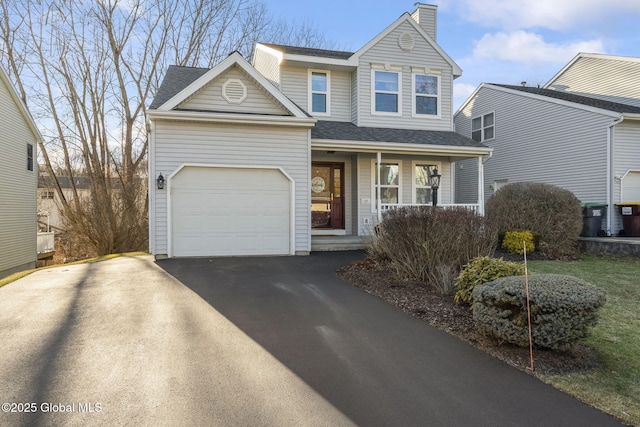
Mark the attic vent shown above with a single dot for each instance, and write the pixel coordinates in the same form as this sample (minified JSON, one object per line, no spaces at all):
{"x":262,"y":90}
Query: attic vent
{"x":234,"y":91}
{"x":406,"y":42}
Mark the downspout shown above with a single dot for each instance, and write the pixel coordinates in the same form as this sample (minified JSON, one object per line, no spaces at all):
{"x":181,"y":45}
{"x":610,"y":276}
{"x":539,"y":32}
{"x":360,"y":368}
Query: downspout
{"x":378,"y":192}
{"x":481,"y":162}
{"x":610,"y":203}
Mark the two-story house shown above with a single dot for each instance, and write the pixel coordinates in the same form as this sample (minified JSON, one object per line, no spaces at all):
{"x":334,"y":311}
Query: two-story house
{"x":260,"y":158}
{"x":580,"y":131}
{"x":19,"y":138}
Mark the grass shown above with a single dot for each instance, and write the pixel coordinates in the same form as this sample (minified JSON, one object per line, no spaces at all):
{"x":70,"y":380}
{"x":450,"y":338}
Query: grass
{"x":21,"y":274}
{"x":614,"y":387}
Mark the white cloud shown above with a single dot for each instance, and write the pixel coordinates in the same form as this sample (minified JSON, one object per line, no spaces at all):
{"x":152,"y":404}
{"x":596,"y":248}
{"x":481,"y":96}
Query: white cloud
{"x":531,"y":48}
{"x":553,"y":14}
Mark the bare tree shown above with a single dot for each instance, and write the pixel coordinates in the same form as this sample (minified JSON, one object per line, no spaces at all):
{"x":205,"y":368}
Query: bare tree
{"x":87,"y":71}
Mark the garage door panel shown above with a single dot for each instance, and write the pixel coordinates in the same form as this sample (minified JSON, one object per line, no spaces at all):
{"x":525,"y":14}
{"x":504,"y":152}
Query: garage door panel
{"x":225,"y":211}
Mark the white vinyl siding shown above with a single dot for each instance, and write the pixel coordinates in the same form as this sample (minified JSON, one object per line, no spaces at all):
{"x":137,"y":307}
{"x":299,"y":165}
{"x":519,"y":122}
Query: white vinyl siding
{"x":611,"y":79}
{"x":210,"y":97}
{"x":178,"y":143}
{"x":366,"y":179}
{"x":295,"y":85}
{"x":387,"y":51}
{"x":626,"y":145}
{"x":568,"y":150}
{"x":18,"y":190}
{"x":268,"y":65}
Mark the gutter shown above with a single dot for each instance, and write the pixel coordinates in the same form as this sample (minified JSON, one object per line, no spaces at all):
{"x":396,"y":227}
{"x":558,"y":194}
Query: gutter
{"x":610,"y":201}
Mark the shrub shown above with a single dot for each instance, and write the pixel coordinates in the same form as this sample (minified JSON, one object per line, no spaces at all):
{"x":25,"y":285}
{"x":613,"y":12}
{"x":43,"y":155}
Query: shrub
{"x":482,"y":270}
{"x":549,"y":211}
{"x":431,"y":244}
{"x":513,"y":241}
{"x":563,"y":308}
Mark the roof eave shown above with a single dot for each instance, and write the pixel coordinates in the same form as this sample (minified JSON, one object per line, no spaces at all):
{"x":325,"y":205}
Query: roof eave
{"x":230,"y":118}
{"x":399,"y":148}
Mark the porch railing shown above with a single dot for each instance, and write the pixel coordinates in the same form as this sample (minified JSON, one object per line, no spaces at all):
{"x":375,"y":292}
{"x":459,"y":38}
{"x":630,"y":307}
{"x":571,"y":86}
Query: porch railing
{"x":471,"y":206}
{"x":46,"y":242}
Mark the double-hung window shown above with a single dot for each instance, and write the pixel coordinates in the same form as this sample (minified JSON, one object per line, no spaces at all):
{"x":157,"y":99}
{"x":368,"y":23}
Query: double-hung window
{"x":386,"y":92}
{"x":319,"y":89}
{"x":421,"y":183}
{"x":426,"y":95}
{"x":483,"y":127}
{"x":389,"y":183}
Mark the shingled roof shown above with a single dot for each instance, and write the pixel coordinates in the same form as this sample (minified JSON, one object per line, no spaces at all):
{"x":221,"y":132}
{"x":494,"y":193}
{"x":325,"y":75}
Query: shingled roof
{"x":578,"y":99}
{"x":347,"y":131}
{"x":176,"y":79}
{"x":322,"y":53}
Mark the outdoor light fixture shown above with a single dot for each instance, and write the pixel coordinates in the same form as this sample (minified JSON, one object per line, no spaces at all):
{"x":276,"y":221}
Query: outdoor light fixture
{"x":434,"y":180}
{"x":160,"y":182}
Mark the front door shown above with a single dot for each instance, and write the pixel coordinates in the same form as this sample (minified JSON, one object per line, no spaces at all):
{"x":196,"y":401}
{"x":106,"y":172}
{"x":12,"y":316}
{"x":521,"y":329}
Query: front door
{"x":327,"y":195}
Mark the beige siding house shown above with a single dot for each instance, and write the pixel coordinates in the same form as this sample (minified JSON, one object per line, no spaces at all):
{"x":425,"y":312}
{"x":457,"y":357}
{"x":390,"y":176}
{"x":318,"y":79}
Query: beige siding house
{"x":589,"y":145}
{"x":19,"y":139}
{"x":265,"y":158}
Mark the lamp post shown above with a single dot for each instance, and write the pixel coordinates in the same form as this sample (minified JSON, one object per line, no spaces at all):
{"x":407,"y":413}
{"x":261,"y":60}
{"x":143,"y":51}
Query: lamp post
{"x":434,"y":180}
{"x":160,"y":182}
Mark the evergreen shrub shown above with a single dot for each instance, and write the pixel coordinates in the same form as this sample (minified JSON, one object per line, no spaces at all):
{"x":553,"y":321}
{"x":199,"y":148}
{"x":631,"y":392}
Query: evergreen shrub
{"x":482,"y":270}
{"x":563,"y":309}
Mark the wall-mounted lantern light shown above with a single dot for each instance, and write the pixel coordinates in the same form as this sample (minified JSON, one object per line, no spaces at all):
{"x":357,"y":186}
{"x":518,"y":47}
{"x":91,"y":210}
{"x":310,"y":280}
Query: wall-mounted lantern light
{"x":160,"y":182}
{"x":434,"y":180}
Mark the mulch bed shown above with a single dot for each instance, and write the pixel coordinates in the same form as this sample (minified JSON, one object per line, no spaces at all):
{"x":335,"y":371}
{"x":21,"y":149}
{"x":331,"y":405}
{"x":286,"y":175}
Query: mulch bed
{"x":425,"y":303}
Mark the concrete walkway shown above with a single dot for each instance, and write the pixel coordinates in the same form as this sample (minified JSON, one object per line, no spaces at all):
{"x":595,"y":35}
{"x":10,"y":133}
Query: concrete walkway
{"x":127,"y":341}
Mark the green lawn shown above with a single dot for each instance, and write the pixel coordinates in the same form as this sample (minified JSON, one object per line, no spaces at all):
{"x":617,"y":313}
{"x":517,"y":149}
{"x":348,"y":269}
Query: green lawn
{"x":615,"y":386}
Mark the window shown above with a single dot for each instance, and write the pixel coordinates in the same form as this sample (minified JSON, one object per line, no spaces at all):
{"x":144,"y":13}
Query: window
{"x":482,"y":127}
{"x":47,"y":195}
{"x":426,"y":90}
{"x":30,"y":157}
{"x":319,"y":101}
{"x":390,"y":183}
{"x":421,"y":188}
{"x":386,"y":92}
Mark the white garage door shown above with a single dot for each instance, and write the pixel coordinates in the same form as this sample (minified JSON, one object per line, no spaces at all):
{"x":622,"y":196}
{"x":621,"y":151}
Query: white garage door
{"x":229,"y":211}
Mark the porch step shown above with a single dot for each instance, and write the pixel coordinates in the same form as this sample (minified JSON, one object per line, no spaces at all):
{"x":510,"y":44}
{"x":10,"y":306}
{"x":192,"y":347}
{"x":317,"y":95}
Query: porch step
{"x":336,"y":243}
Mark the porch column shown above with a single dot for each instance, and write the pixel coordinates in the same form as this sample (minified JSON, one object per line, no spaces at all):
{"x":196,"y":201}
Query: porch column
{"x":480,"y":186}
{"x":379,"y":201}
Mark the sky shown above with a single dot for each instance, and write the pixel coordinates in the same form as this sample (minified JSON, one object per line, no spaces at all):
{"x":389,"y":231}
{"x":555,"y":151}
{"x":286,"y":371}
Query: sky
{"x":493,"y":41}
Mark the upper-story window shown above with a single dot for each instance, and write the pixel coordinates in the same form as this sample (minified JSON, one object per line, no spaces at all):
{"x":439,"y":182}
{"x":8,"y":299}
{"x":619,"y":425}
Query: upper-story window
{"x":30,"y":157}
{"x":426,"y":92}
{"x":482,"y":127}
{"x":319,"y":101}
{"x":387,"y":97}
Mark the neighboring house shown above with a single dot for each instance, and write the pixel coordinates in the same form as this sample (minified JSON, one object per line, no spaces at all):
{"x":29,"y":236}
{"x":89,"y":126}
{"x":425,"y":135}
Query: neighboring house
{"x":19,"y":138}
{"x":589,"y":145}
{"x":606,"y":77}
{"x":258,"y":158}
{"x":49,"y":206}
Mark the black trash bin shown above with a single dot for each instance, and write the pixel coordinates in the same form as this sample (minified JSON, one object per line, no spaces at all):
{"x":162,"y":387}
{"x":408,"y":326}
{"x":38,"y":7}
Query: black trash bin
{"x":592,"y":214}
{"x":630,"y":212}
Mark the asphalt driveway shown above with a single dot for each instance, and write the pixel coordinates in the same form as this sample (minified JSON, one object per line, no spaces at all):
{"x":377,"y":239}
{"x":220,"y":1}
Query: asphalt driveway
{"x":246,"y":342}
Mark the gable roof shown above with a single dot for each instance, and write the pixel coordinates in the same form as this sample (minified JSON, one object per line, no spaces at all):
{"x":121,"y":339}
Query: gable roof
{"x":185,"y":82}
{"x":22,"y":108}
{"x":576,"y":99}
{"x":176,"y":79}
{"x":336,"y":57}
{"x":582,"y":55}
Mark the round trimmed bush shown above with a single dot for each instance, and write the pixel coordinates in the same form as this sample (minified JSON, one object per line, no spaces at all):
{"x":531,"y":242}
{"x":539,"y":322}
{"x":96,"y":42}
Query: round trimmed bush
{"x":513,"y":242}
{"x":482,"y":270}
{"x":563,"y":308}
{"x":552,"y":213}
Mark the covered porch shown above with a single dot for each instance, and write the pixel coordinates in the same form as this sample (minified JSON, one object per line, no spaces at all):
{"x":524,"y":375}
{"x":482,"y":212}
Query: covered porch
{"x":359,"y":173}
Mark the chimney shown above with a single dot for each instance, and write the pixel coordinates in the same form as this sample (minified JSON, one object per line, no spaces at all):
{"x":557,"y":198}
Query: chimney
{"x":426,"y":16}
